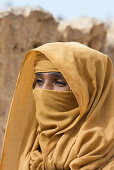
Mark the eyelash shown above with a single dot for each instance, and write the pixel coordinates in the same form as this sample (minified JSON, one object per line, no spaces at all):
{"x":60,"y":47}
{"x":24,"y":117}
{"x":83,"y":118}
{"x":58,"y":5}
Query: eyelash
{"x":60,"y":83}
{"x":39,"y":81}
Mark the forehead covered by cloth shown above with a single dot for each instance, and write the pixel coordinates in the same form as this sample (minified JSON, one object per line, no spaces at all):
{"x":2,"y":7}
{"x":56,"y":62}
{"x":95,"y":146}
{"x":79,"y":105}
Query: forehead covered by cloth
{"x":43,"y":64}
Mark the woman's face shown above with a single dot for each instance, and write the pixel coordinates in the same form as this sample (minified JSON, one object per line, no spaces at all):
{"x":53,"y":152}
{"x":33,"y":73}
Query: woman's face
{"x":51,"y":81}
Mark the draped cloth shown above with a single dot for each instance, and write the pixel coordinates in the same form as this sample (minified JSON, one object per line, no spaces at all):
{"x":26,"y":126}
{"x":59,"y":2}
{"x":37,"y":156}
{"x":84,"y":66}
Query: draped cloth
{"x":43,"y":64}
{"x":77,"y":134}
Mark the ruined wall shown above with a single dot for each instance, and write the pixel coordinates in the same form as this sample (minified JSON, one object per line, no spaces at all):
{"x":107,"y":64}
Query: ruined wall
{"x":18,"y":34}
{"x":21,"y":31}
{"x":108,"y":47}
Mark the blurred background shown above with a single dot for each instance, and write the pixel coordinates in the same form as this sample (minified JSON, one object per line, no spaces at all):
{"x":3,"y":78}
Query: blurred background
{"x":103,"y":9}
{"x":26,"y":24}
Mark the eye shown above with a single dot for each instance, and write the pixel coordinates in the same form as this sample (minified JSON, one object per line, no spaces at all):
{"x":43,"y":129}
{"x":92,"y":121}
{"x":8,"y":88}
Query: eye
{"x":39,"y":82}
{"x":60,"y":83}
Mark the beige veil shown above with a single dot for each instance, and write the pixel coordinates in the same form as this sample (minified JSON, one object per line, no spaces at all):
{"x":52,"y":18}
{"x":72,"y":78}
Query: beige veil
{"x":88,"y":143}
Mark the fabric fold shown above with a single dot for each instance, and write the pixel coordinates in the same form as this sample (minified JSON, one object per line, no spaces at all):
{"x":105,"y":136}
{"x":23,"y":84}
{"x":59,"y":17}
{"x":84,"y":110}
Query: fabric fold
{"x":50,"y":130}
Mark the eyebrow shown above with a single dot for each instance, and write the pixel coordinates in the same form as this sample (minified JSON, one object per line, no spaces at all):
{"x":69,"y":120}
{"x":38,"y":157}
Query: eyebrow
{"x":54,"y":74}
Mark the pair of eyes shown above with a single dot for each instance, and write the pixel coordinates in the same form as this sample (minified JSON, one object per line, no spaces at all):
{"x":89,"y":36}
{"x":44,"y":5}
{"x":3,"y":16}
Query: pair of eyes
{"x":56,"y":82}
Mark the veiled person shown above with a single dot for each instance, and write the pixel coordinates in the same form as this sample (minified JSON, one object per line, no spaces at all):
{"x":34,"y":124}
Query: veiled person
{"x":67,"y":123}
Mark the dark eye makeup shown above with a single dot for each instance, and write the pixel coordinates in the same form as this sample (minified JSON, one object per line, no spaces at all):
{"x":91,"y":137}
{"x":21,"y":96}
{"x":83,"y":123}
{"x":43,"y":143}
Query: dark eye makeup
{"x":56,"y":82}
{"x":39,"y":81}
{"x":60,"y":83}
{"x":56,"y":78}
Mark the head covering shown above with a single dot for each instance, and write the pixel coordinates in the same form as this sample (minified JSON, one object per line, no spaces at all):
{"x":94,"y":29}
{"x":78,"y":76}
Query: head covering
{"x":83,"y":139}
{"x":43,"y":64}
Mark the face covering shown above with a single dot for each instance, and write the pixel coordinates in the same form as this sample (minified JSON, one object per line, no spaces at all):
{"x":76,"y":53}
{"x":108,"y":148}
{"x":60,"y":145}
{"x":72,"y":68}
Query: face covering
{"x":55,"y":110}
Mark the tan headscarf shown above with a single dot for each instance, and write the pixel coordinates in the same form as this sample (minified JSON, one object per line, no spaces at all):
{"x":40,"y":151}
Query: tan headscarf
{"x":82,"y":139}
